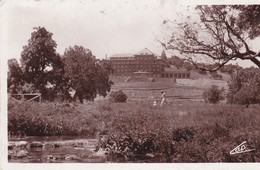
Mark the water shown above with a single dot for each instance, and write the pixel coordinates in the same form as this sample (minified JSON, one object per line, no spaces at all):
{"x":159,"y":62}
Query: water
{"x":60,"y":149}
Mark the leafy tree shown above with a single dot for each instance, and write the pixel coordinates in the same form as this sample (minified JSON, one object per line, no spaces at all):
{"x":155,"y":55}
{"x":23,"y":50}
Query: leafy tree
{"x":215,"y":75}
{"x":164,"y":56}
{"x":15,"y":76}
{"x":244,"y":87}
{"x":178,"y":62}
{"x":213,"y":94}
{"x":86,"y":75}
{"x":249,"y":14}
{"x":40,"y":63}
{"x":230,"y":68}
{"x":106,"y":65}
{"x":222,"y":34}
{"x":188,"y":66}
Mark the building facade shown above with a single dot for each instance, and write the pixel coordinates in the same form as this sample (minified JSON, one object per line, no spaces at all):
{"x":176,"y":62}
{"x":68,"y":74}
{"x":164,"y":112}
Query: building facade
{"x":143,"y":62}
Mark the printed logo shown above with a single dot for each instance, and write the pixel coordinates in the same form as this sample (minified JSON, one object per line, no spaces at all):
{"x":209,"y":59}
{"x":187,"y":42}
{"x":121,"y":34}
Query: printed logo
{"x":240,"y":149}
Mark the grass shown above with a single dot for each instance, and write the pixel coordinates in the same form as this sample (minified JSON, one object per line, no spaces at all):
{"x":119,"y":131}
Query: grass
{"x":183,"y":89}
{"x":181,"y":131}
{"x":178,"y":132}
{"x":158,"y":84}
{"x":194,"y":132}
{"x":47,"y":119}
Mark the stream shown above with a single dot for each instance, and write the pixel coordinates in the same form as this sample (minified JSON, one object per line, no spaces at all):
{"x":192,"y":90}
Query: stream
{"x":69,"y":149}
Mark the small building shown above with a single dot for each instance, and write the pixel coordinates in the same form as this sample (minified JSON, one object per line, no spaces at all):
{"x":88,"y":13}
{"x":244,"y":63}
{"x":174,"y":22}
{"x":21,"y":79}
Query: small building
{"x":172,"y":71}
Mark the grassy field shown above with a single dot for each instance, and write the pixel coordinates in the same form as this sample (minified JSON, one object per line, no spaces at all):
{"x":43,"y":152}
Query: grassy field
{"x":188,"y":89}
{"x":178,"y":132}
{"x":184,"y":130}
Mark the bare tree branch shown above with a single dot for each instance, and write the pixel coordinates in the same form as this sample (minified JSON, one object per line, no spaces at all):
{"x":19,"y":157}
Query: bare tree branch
{"x":216,"y":38}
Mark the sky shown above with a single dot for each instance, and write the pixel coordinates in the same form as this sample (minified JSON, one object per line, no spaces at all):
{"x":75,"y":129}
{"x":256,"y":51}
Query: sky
{"x":106,"y":27}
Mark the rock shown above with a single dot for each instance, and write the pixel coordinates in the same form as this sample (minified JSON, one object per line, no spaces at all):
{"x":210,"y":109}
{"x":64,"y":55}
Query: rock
{"x":57,"y":145}
{"x":51,"y":157}
{"x":11,"y":146}
{"x":21,"y":154}
{"x":71,"y":157}
{"x":79,"y":148}
{"x":101,"y":153}
{"x":150,"y":155}
{"x":10,"y":154}
{"x":36,"y":144}
{"x":21,"y":144}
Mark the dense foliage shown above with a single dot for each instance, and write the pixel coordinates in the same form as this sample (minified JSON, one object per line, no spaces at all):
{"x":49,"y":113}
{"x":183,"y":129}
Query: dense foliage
{"x":47,"y":119}
{"x":40,"y":63}
{"x":213,"y":94}
{"x":86,"y":74}
{"x":244,"y":87}
{"x":15,"y":77}
{"x":139,"y":132}
{"x":249,"y":14}
{"x":43,"y":70}
{"x":178,"y":62}
{"x":118,"y":96}
{"x":230,"y":68}
{"x":215,"y":75}
{"x":164,"y":56}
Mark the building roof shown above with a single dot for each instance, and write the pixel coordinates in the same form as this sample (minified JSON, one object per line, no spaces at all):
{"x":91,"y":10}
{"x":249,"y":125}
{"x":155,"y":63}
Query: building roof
{"x":145,"y":51}
{"x":122,"y":55}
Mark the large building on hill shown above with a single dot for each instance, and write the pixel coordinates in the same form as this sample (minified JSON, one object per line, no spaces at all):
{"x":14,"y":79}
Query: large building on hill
{"x":144,"y":62}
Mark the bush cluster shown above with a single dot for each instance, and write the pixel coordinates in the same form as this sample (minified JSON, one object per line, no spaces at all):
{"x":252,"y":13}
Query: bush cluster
{"x":213,"y":94}
{"x":48,"y":119}
{"x":230,"y":68}
{"x":118,"y":96}
{"x":203,"y":72}
{"x":208,"y":135}
{"x":215,"y":75}
{"x":244,"y":87}
{"x":139,"y":132}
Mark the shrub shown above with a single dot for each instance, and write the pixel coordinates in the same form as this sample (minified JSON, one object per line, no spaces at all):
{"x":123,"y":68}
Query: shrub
{"x":216,"y":76}
{"x":203,"y":72}
{"x":230,"y":68}
{"x":185,"y":134}
{"x":138,"y":133}
{"x":118,"y":96}
{"x":213,"y":94}
{"x":48,"y":119}
{"x":244,"y":87}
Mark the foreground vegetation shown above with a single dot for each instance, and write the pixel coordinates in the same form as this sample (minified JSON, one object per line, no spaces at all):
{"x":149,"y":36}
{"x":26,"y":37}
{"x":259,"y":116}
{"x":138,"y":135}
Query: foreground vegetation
{"x":138,"y":132}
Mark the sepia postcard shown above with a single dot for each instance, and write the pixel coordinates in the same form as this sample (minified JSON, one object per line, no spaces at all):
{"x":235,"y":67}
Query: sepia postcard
{"x":128,"y":84}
